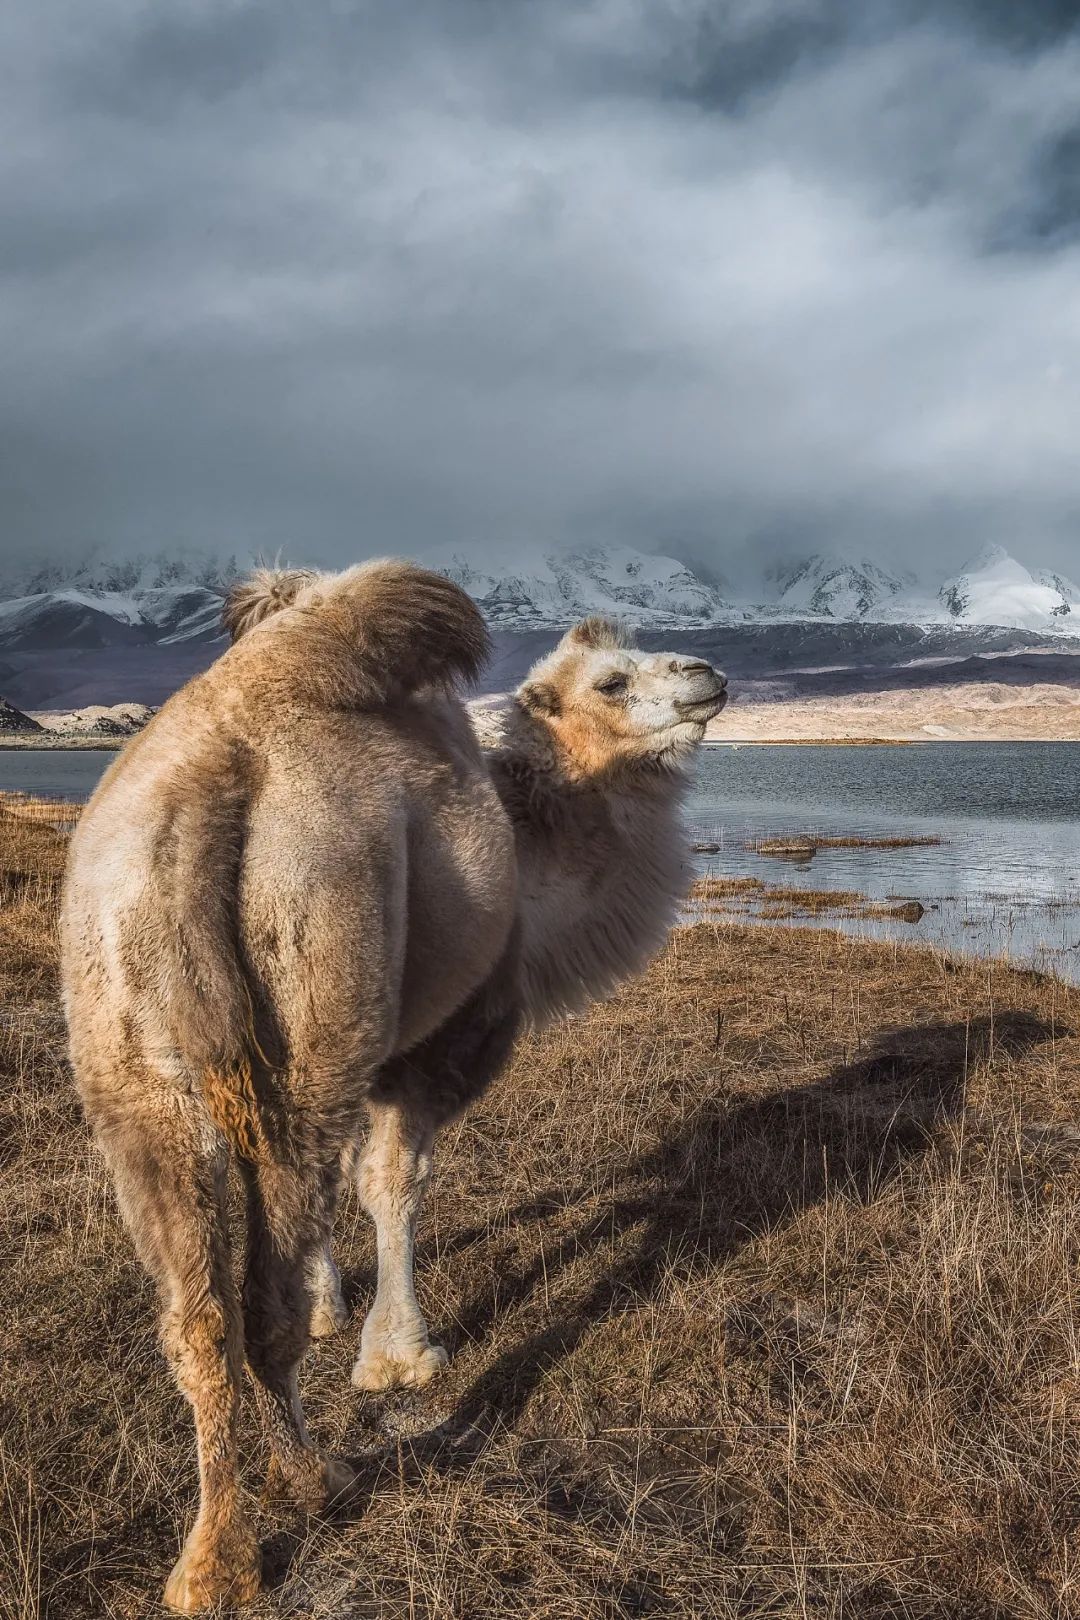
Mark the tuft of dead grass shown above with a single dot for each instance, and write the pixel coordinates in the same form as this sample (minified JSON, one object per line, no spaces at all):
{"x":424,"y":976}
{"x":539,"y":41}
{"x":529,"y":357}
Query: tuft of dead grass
{"x":759,"y":1282}
{"x":58,"y":813}
{"x":714,"y":898}
{"x":805,"y":845}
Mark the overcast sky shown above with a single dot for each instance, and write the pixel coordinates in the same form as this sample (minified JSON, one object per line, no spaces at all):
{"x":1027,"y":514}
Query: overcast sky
{"x":751,"y":276}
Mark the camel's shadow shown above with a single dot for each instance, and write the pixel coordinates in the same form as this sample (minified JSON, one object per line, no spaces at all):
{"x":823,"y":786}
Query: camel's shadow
{"x":731,"y":1173}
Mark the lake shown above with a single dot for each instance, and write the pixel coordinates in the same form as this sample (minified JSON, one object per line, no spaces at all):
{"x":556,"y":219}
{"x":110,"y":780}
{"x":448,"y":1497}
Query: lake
{"x":1003,"y":882}
{"x":54,"y":773}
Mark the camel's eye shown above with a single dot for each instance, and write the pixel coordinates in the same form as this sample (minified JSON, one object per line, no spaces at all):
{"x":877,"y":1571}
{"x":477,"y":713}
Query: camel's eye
{"x":612,"y":685}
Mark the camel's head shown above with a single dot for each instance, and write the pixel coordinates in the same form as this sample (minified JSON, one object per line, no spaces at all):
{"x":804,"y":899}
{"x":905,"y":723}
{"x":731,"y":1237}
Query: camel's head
{"x":606,"y":703}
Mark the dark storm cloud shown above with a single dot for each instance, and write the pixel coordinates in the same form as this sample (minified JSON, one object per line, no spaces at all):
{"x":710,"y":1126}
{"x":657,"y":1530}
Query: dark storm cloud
{"x":713,"y":277}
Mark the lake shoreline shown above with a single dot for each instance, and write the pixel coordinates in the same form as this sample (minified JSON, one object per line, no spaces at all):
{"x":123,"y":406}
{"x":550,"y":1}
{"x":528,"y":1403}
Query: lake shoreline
{"x":34,"y":745}
{"x":56,"y":744}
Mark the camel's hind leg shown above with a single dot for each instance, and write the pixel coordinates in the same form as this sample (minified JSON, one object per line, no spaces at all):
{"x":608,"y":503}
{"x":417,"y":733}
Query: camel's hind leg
{"x":394,"y":1173}
{"x":170,"y":1166}
{"x":289,"y":1216}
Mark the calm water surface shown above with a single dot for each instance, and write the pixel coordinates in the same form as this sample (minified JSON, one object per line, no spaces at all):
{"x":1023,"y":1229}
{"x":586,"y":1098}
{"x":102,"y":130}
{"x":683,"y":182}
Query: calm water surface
{"x":1004,"y":882}
{"x":54,"y":773}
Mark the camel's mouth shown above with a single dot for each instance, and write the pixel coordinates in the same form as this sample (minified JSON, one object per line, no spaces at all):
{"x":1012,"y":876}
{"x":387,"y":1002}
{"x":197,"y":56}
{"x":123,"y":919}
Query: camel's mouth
{"x":702,"y":709}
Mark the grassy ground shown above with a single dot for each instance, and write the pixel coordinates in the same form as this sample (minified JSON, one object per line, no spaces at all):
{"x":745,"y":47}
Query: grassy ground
{"x":760,"y":1283}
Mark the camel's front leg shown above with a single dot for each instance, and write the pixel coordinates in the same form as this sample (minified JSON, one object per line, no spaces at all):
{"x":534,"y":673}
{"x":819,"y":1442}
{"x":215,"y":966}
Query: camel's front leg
{"x":393,"y":1176}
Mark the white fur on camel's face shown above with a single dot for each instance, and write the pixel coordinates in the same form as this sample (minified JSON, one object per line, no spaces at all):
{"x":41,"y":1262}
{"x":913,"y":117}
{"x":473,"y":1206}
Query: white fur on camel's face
{"x":604,"y":698}
{"x":660,"y":690}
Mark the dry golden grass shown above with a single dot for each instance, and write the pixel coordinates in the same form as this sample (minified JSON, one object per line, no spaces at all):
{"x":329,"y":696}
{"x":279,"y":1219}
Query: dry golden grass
{"x":760,"y":1283}
{"x":59,"y":813}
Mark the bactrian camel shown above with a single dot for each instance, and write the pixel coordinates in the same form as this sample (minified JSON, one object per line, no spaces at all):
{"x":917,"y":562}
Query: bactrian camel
{"x":302,"y":899}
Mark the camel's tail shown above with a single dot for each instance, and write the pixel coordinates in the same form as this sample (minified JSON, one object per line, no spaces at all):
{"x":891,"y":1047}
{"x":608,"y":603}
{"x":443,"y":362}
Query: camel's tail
{"x":191,"y":958}
{"x":379,"y":631}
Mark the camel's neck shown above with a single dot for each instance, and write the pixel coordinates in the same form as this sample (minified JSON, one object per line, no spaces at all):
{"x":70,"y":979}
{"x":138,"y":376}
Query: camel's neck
{"x":602,"y":869}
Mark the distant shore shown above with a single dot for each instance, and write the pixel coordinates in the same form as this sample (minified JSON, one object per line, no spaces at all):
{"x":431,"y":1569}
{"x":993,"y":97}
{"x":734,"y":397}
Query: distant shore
{"x":975,"y":711}
{"x":53,"y":743}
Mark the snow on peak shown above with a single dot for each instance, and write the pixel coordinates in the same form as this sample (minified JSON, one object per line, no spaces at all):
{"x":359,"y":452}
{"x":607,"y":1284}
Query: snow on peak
{"x":1066,"y":588}
{"x":162,"y":598}
{"x":97,"y":571}
{"x":560,"y":586}
{"x":836,"y":587}
{"x":995,"y":588}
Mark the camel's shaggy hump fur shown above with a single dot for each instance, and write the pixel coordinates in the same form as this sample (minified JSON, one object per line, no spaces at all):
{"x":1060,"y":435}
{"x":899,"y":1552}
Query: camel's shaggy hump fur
{"x":255,"y":598}
{"x":368,"y":635}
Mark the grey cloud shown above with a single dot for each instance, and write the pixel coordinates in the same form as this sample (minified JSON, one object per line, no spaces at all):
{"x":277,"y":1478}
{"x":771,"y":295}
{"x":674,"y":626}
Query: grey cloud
{"x":719,"y":279}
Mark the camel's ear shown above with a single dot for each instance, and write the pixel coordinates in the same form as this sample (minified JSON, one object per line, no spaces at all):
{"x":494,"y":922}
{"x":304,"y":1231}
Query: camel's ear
{"x":262,"y":593}
{"x":540,"y":698}
{"x":598,"y":632}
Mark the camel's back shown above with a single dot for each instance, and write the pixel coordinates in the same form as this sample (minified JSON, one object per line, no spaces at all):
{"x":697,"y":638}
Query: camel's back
{"x":303,"y":848}
{"x":351,"y":870}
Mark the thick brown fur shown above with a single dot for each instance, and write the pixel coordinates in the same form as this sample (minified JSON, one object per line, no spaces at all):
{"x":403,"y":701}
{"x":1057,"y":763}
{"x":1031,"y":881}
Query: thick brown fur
{"x":301,"y":897}
{"x":299,"y":870}
{"x":379,"y":631}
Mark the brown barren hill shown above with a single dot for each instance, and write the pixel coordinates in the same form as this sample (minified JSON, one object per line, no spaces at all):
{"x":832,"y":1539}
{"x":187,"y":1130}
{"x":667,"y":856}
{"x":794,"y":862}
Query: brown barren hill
{"x":761,"y":1282}
{"x":976,"y":712}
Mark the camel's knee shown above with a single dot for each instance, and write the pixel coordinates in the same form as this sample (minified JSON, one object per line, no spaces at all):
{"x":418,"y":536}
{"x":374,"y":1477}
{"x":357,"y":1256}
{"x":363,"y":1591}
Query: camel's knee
{"x":204,"y":1346}
{"x":394,"y":1190}
{"x":396,"y":1168}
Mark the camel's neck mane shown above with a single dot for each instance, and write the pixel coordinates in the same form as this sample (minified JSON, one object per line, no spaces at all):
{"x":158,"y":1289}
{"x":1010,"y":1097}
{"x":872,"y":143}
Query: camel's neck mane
{"x":602,"y":864}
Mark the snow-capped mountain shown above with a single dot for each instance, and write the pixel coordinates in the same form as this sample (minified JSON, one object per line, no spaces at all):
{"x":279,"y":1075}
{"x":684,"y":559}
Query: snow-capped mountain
{"x":1063,"y":586}
{"x":84,"y":618}
{"x":837,"y":588}
{"x":996,"y":589}
{"x":161,"y":600}
{"x":103,"y":601}
{"x":558,"y":587}
{"x":98,"y":572}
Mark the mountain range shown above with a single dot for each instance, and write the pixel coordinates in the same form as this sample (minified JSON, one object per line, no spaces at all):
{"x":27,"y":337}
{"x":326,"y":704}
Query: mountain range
{"x":136,"y":629}
{"x":993,"y":589}
{"x":170,"y":599}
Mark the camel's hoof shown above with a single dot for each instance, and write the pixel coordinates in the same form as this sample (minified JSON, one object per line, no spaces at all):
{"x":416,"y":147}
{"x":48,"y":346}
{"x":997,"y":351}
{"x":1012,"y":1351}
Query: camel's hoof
{"x":208,"y":1577}
{"x":328,"y":1317}
{"x":375,"y":1371}
{"x":340,"y":1480}
{"x":316,"y":1483}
